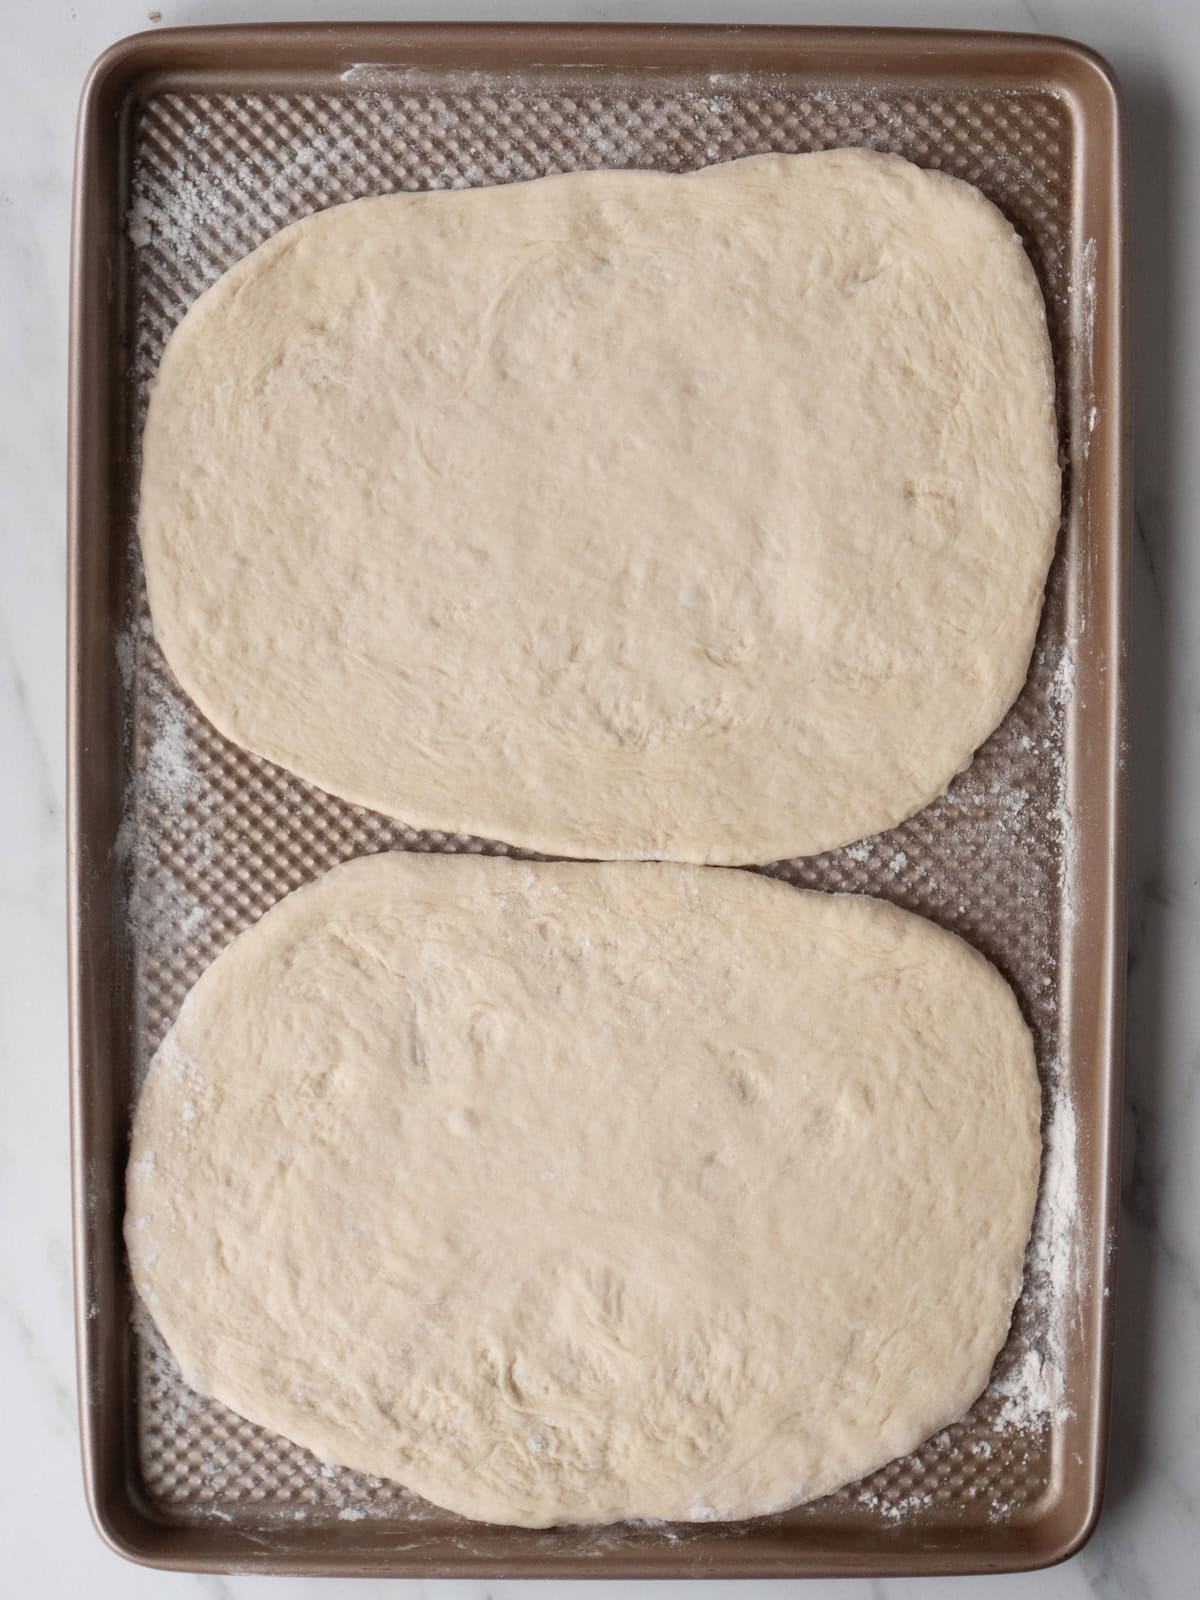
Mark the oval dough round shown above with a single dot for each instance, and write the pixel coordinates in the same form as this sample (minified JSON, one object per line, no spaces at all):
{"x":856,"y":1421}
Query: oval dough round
{"x":571,"y":1193}
{"x":703,"y":517}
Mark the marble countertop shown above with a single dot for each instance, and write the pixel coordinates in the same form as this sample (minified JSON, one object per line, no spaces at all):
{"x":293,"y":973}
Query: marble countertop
{"x":1148,"y":1541}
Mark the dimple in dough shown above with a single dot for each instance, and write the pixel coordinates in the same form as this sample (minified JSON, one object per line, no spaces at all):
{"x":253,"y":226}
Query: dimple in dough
{"x":572,"y":1193}
{"x":617,"y":514}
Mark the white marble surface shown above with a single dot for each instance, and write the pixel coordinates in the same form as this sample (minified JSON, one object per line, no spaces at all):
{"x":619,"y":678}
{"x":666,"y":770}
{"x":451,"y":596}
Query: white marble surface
{"x":1148,"y":1543}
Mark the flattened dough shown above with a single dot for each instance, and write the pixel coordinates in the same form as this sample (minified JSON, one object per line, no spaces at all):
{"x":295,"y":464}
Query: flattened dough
{"x":570,"y":1193}
{"x":703,"y":517}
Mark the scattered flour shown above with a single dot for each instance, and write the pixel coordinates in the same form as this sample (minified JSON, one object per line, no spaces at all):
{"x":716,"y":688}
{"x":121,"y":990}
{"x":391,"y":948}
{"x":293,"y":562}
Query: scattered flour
{"x":182,"y":211}
{"x":1033,"y":1390}
{"x":891,"y":1509}
{"x":169,"y":775}
{"x":1062,"y":695}
{"x":166,"y":825}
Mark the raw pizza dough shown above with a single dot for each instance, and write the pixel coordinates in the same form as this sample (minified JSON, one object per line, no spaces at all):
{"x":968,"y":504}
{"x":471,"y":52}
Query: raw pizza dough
{"x":571,"y":1193}
{"x":616,"y":514}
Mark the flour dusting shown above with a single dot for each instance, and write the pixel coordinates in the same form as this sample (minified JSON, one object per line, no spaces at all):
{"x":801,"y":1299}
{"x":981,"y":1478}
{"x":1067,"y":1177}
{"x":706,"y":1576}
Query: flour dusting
{"x":167,"y":902}
{"x":1033,"y":1391}
{"x":892,"y":1508}
{"x":169,"y":774}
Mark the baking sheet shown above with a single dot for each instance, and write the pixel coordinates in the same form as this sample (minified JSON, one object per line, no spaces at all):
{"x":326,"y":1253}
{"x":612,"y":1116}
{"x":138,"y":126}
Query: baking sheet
{"x":197,"y":145}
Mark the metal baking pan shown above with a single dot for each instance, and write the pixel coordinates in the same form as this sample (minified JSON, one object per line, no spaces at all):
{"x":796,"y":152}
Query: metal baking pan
{"x":195,"y":145}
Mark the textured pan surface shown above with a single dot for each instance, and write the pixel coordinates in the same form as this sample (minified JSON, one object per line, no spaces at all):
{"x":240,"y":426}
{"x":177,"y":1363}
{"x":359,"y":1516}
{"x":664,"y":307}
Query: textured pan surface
{"x":206,"y":836}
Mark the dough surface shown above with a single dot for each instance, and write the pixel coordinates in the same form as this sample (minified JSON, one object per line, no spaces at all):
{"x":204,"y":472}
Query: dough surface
{"x":570,"y":1193}
{"x":617,"y":514}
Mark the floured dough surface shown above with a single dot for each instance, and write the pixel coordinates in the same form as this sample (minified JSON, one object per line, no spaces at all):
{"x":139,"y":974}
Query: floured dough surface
{"x":615,"y":514}
{"x":574,"y":1193}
